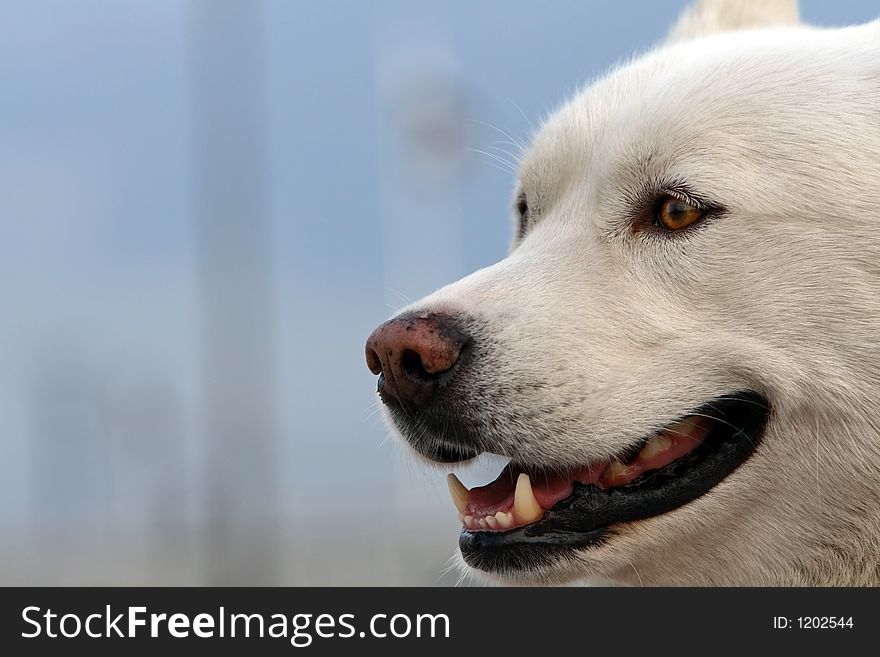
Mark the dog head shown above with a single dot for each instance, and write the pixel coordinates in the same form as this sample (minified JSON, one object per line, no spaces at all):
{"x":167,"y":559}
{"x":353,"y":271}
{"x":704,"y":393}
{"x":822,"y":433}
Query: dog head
{"x":680,"y":353}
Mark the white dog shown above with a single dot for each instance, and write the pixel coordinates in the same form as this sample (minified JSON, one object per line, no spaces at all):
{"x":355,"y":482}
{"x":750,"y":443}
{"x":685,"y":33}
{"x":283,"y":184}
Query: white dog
{"x":681,"y":354}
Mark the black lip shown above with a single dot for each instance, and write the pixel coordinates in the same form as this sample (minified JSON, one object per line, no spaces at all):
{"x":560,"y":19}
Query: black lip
{"x":587,"y":516}
{"x":424,"y":427}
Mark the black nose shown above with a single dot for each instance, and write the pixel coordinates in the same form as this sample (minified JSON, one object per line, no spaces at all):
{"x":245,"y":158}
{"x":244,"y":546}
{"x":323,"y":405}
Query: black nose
{"x":414,"y":355}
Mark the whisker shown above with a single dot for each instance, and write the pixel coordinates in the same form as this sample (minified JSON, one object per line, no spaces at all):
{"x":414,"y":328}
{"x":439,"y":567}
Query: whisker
{"x":504,"y":133}
{"x":506,"y":166}
{"x":523,"y":114}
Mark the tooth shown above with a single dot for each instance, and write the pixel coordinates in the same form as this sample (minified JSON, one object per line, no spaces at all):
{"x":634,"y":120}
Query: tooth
{"x":654,"y":446}
{"x":469,"y":522}
{"x":615,"y":469}
{"x":484,"y":524}
{"x":505,"y":520}
{"x":460,"y":494}
{"x":492,"y":522}
{"x":525,"y":507}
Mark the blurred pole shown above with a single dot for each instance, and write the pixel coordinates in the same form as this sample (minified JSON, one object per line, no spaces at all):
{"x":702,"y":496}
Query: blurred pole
{"x":422,"y":174}
{"x":227,"y":70}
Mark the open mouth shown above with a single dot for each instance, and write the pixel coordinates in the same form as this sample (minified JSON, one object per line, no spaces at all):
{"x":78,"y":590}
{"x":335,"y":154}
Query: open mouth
{"x":532,"y":513}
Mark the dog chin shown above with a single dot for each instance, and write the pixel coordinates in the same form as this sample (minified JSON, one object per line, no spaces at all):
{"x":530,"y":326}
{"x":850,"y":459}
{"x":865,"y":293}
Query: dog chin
{"x":587,"y":568}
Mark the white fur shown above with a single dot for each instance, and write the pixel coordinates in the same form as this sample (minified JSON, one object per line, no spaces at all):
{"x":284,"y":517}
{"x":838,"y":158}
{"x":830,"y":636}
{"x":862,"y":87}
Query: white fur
{"x":613,"y":334}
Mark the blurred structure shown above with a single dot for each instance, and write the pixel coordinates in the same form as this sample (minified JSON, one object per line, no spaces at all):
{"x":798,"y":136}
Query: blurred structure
{"x":240,"y":430}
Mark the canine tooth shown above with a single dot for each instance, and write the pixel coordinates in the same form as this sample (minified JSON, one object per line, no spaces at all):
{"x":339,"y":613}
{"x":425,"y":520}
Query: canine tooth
{"x":460,"y":494}
{"x":525,"y":507}
{"x":491,"y":521}
{"x":654,"y":446}
{"x":505,"y":519}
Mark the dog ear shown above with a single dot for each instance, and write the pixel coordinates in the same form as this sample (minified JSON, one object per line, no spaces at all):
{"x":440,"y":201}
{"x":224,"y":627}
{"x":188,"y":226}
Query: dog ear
{"x":706,"y":17}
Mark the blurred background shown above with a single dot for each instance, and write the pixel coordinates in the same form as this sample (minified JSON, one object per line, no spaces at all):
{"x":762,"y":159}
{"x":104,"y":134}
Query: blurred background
{"x":205,"y":207}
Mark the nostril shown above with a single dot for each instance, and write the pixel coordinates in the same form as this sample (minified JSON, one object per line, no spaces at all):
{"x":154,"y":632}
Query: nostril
{"x":412,"y":364}
{"x":373,"y":361}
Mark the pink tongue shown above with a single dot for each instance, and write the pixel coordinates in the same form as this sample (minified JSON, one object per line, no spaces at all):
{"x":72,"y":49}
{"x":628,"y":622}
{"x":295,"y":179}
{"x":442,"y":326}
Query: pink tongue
{"x":549,"y":488}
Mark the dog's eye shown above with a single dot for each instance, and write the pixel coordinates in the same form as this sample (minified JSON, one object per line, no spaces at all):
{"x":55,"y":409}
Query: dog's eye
{"x":522,"y":212}
{"x":522,"y":206}
{"x":675,"y":214}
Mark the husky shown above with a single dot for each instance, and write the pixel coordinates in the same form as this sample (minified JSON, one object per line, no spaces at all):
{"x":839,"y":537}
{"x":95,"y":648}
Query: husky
{"x":680,"y":356}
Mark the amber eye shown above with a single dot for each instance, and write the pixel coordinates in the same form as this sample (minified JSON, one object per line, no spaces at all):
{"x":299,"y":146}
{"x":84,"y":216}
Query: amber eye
{"x":675,"y":214}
